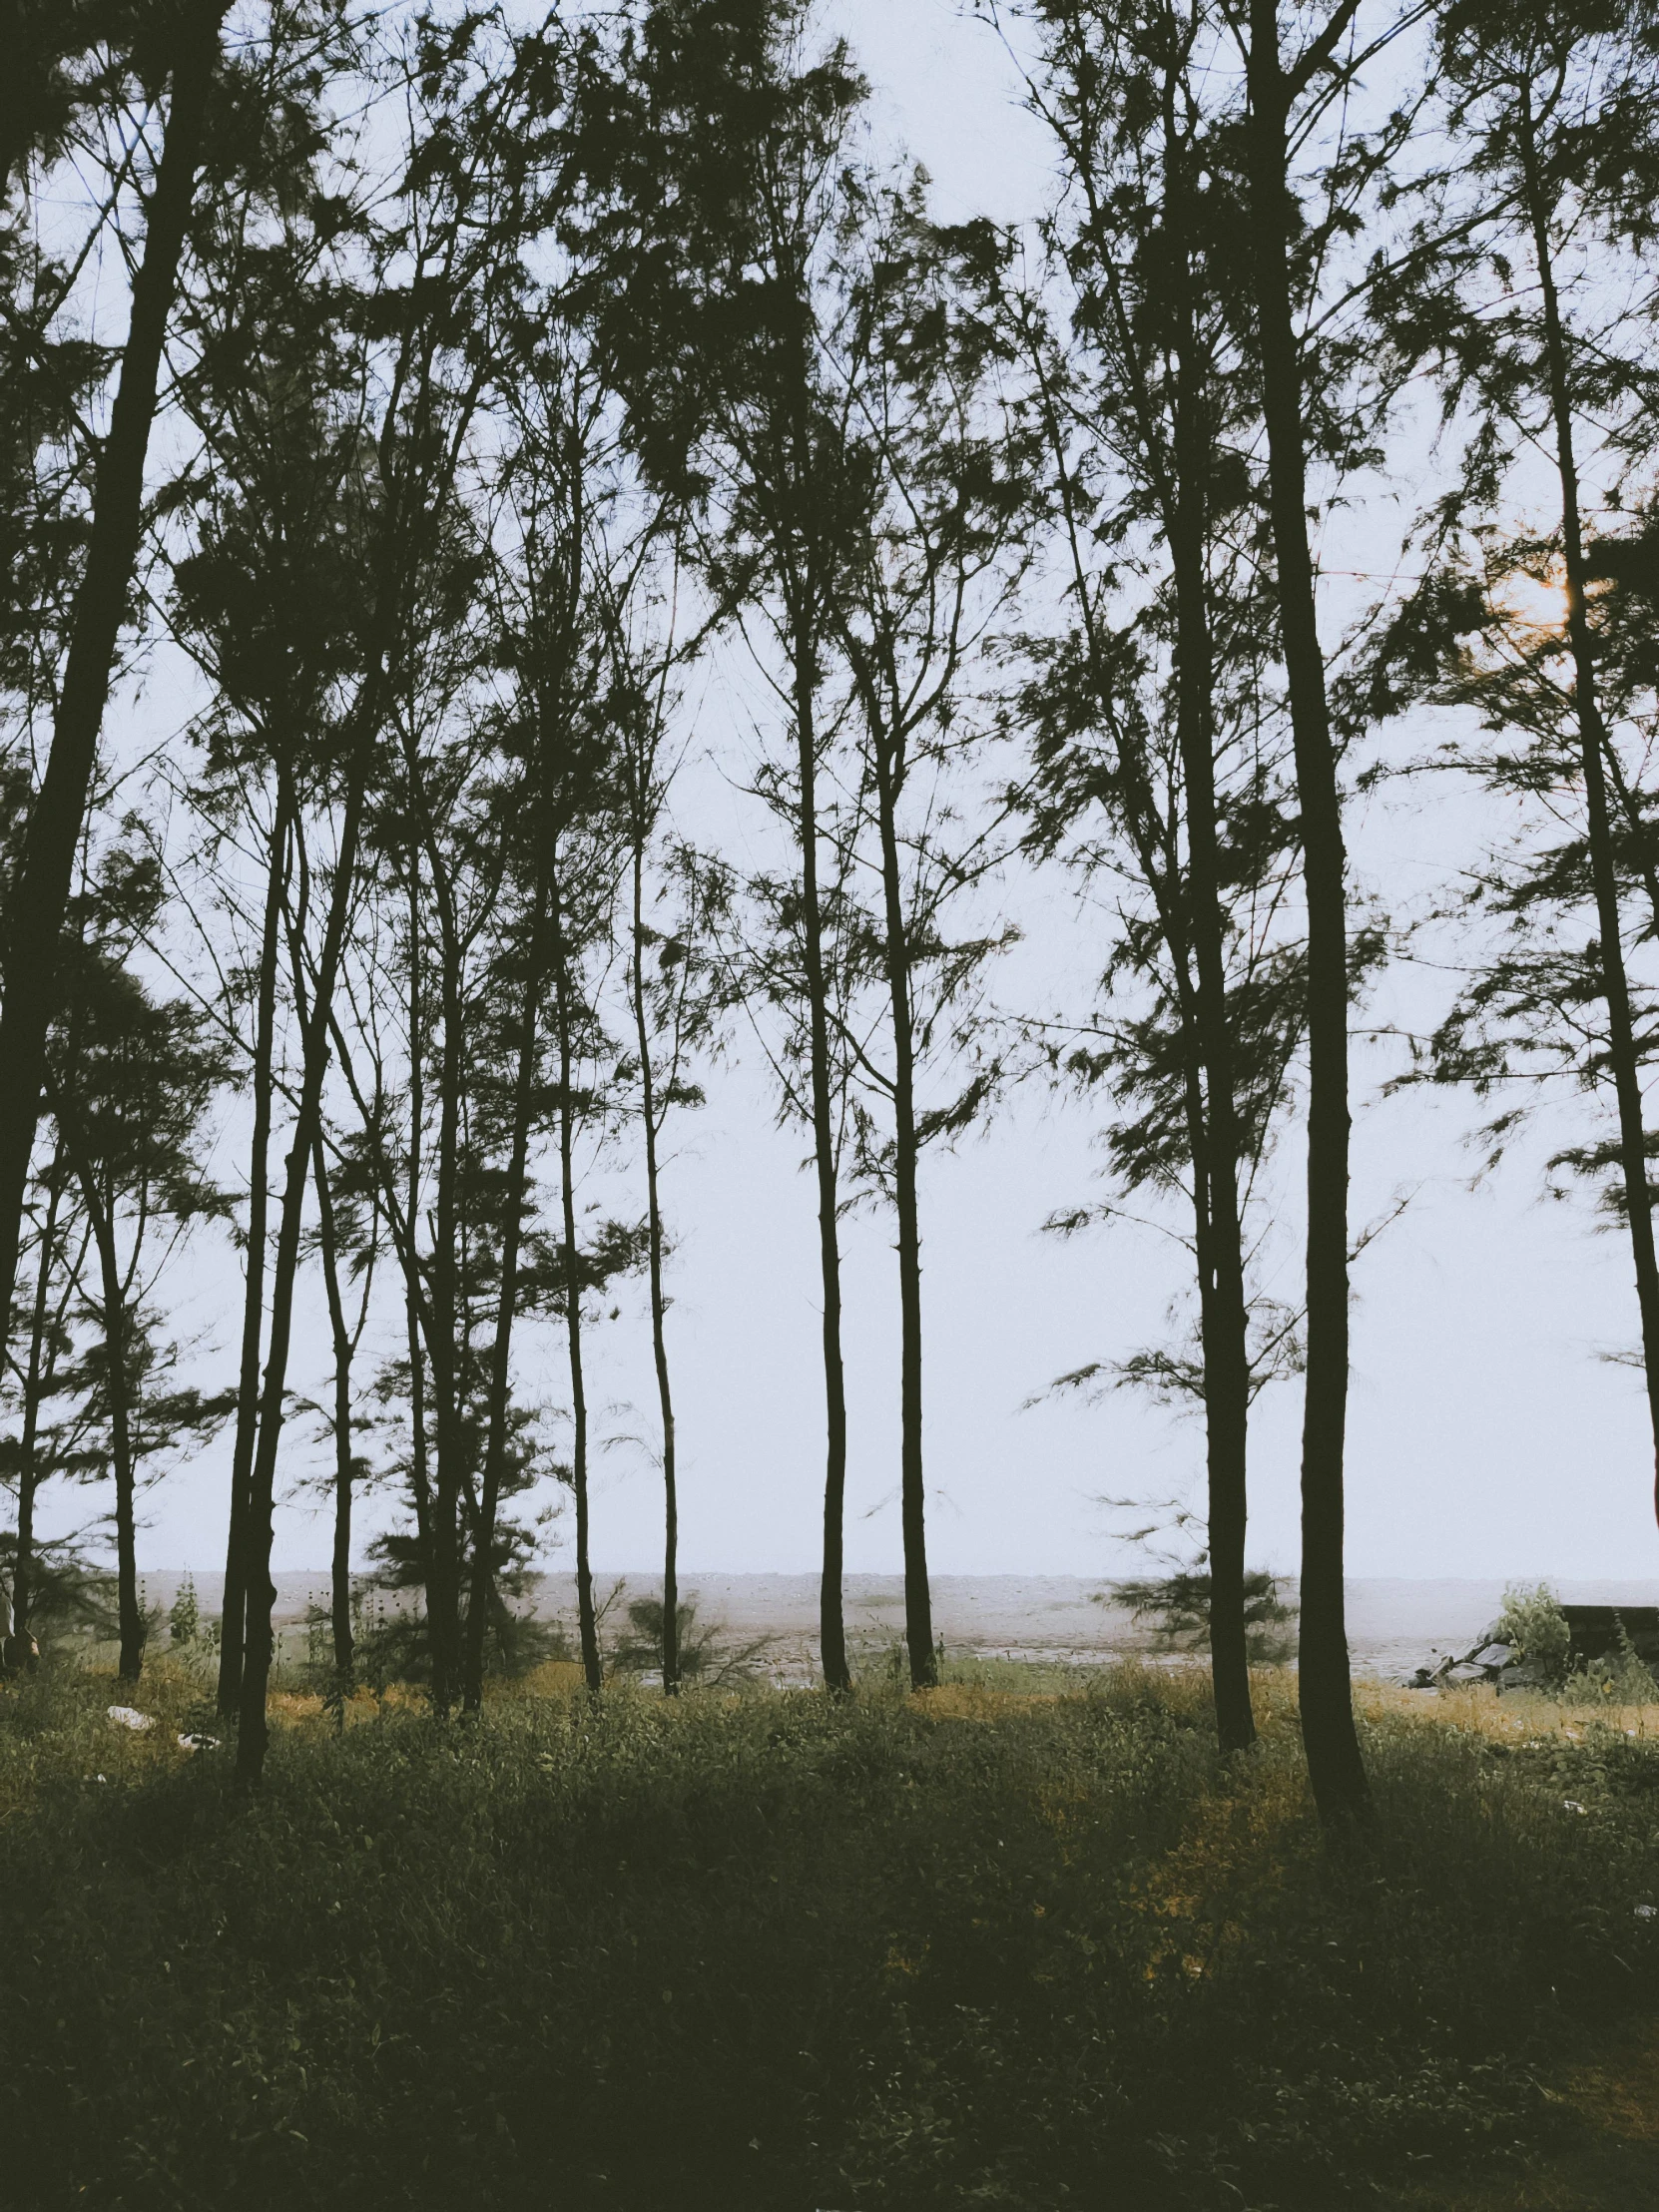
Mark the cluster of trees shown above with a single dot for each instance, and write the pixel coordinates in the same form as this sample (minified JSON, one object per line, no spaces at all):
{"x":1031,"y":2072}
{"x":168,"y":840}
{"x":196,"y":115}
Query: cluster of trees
{"x":481,"y":383}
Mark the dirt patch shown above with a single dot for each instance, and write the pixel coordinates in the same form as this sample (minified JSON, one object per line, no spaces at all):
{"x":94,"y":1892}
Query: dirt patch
{"x":1608,"y":2163}
{"x":1619,"y":2094}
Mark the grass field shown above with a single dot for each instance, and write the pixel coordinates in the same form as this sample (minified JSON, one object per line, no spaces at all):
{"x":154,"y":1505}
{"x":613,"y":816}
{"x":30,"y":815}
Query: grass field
{"x":995,"y":1947}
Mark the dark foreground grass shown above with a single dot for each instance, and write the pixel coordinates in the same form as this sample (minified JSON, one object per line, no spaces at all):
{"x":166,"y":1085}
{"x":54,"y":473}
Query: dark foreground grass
{"x":771,"y":1956}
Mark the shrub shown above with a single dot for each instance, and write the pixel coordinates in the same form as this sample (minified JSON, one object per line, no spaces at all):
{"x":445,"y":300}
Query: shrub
{"x":1622,"y":1676}
{"x":1177,"y":1606}
{"x":708,"y":1655}
{"x":185,"y":1620}
{"x":1534,"y":1625}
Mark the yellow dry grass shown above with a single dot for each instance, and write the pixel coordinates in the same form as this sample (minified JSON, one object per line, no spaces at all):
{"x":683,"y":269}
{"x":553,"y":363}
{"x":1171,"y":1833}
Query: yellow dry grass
{"x":1516,"y":1719}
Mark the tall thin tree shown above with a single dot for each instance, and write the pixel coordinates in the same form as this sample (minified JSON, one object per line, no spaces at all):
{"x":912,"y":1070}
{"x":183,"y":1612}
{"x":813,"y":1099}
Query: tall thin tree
{"x":40,"y":898}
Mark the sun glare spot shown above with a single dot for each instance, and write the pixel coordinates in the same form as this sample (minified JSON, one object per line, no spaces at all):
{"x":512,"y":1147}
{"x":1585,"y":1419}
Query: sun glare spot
{"x":1538,"y":602}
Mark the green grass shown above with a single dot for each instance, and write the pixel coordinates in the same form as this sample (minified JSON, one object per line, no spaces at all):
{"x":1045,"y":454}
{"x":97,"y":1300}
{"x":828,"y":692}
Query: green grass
{"x":764,"y":1953}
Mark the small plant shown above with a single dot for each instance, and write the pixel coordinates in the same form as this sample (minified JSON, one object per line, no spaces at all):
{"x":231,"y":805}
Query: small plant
{"x":1622,"y":1676}
{"x":184,"y":1619}
{"x":1534,"y":1627}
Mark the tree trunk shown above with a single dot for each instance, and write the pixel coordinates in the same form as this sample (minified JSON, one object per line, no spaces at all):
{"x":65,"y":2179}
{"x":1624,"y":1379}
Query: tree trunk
{"x":831,"y":1618}
{"x":339,"y":1593}
{"x":232,"y":1614}
{"x":1206,"y":1071}
{"x":1334,"y":1766}
{"x":443,"y":1587}
{"x":1594,"y":744}
{"x":133,"y":1627}
{"x":28,"y":1474}
{"x":587,"y":1619}
{"x":39,"y":895}
{"x":252,"y":1733}
{"x":419,"y":1479}
{"x":1223,"y":1305}
{"x":512,"y":1230}
{"x":918,"y":1604}
{"x":654,"y":1241}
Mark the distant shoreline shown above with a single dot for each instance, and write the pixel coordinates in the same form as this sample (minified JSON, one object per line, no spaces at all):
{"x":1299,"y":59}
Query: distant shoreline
{"x":1394,"y":1621}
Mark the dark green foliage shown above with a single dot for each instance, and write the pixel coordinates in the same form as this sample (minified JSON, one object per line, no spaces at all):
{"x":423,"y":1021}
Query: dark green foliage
{"x":776,"y":1953}
{"x":68,"y":1597}
{"x":183,"y":1620}
{"x":1534,"y":1627}
{"x":391,"y":1630}
{"x":707,"y":1655}
{"x":1178,"y":1605}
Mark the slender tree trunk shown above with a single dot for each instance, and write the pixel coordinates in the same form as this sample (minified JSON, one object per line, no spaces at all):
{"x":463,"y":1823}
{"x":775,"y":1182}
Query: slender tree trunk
{"x":1334,"y":1766}
{"x":448,"y":1324}
{"x":831,"y":1618}
{"x":253,"y":1734}
{"x":1595,"y":745}
{"x":28,"y":1472}
{"x":918,"y":1603}
{"x":654,"y":1256}
{"x":512,"y":1230}
{"x":419,"y":1478}
{"x":1223,"y":1305}
{"x":339,"y":1593}
{"x":444,"y":1593}
{"x":40,"y":895}
{"x":1207,"y":1072}
{"x":133,"y":1627}
{"x":564,"y":1013}
{"x":232,"y":1614}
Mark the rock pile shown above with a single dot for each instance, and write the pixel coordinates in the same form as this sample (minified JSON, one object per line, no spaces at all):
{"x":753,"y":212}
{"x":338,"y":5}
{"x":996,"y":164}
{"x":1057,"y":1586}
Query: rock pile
{"x":1597,"y":1632}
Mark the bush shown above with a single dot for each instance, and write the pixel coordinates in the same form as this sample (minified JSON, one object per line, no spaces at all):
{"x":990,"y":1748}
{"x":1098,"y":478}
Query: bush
{"x":73,"y":1604}
{"x":708,"y":1655}
{"x":185,"y":1619}
{"x":1177,"y":1606}
{"x":1622,"y":1676}
{"x":1534,"y":1625}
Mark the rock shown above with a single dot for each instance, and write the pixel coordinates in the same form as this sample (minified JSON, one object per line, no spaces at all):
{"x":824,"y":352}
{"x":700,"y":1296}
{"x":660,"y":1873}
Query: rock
{"x":125,"y":1716}
{"x":1572,"y":1805}
{"x":1491,"y":1655}
{"x":1465,"y":1671}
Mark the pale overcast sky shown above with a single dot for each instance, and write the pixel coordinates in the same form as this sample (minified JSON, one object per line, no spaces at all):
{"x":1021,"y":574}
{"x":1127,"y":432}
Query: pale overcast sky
{"x":1489,"y":1434}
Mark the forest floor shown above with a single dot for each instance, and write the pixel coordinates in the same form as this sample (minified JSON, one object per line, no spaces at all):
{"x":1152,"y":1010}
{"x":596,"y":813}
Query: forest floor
{"x":1000,"y":1946}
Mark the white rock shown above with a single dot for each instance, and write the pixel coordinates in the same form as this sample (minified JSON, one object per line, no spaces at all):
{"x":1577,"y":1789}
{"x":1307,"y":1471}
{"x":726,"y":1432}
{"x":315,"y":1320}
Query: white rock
{"x":126,"y":1716}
